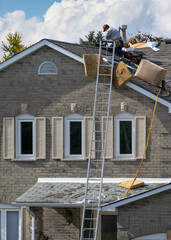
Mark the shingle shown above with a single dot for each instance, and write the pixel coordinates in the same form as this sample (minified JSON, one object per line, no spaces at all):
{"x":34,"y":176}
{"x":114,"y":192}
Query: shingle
{"x":73,"y":193}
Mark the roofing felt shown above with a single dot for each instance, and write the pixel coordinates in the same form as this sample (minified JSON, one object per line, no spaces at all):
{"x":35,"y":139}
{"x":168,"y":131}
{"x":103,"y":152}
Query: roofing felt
{"x":69,"y":193}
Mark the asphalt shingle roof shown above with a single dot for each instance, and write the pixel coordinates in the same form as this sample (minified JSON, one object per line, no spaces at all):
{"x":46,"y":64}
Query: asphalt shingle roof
{"x":161,"y":57}
{"x":71,"y":193}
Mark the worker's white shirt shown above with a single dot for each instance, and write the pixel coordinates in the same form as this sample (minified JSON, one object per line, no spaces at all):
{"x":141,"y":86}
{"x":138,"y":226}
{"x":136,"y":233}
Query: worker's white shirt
{"x":112,"y":34}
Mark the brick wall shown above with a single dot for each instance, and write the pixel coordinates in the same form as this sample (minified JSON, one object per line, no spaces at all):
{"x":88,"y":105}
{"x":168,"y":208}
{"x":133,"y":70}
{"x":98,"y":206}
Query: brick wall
{"x":148,"y":216}
{"x":50,"y":96}
{"x":55,"y":224}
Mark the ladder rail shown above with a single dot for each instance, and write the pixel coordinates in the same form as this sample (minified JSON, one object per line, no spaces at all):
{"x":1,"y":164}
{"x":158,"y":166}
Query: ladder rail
{"x":91,"y":150}
{"x":91,"y":141}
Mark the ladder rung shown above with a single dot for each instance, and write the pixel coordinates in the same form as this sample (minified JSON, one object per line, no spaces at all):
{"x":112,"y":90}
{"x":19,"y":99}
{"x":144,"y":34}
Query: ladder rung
{"x":102,"y":102}
{"x":89,"y":229}
{"x":103,"y":93}
{"x":104,"y":74}
{"x":96,"y":160}
{"x":98,"y":131}
{"x":100,"y":121}
{"x":101,"y":112}
{"x":98,"y":140}
{"x":94,"y":179}
{"x":105,"y":65}
{"x":104,"y":84}
{"x":96,"y":170}
{"x":90,"y":219}
{"x":97,"y":150}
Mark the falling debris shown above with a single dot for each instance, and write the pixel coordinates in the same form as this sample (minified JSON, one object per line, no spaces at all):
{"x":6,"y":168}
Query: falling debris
{"x":150,"y":72}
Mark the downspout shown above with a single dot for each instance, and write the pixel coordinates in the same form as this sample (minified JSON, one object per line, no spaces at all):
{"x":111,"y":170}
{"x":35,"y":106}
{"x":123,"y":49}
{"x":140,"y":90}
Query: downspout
{"x":33,"y":223}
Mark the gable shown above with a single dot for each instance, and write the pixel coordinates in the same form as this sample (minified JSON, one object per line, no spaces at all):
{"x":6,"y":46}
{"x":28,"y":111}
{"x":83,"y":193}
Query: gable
{"x":69,"y":50}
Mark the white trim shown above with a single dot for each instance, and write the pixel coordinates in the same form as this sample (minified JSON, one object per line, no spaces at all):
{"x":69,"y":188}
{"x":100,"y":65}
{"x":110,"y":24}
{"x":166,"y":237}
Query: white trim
{"x":68,"y":119}
{"x":105,"y":180}
{"x":149,"y":95}
{"x":117,"y":119}
{"x":35,"y":47}
{"x":113,"y":206}
{"x":19,"y":120}
{"x":3,"y":228}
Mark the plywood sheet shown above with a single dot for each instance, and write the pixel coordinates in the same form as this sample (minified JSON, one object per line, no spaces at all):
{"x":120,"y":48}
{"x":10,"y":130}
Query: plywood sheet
{"x":127,"y":184}
{"x":169,"y":235}
{"x":91,"y":64}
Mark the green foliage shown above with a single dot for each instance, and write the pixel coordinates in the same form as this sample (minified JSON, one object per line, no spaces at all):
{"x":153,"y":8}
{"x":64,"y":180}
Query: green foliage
{"x":144,"y":37}
{"x":43,"y":236}
{"x":14,"y":45}
{"x":92,"y":38}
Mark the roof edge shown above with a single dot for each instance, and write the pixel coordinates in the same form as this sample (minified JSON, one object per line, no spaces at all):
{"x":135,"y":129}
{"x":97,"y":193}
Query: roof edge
{"x":149,"y":94}
{"x":124,"y":201}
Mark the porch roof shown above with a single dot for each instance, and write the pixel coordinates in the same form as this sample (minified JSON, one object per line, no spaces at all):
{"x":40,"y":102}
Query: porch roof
{"x":69,"y":192}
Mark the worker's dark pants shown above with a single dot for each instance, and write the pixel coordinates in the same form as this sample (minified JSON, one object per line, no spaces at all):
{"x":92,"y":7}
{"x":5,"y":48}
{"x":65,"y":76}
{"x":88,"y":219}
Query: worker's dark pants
{"x":118,"y":49}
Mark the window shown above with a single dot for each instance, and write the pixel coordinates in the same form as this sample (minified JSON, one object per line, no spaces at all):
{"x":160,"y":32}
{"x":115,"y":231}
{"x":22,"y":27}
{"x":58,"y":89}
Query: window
{"x":74,"y":136}
{"x":30,"y":137}
{"x":124,"y":136}
{"x":10,"y":223}
{"x":130,"y":136}
{"x":25,"y":136}
{"x":47,"y":68}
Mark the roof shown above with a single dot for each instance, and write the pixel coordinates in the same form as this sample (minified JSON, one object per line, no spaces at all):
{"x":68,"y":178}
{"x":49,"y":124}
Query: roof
{"x":76,"y":51}
{"x":61,"y":192}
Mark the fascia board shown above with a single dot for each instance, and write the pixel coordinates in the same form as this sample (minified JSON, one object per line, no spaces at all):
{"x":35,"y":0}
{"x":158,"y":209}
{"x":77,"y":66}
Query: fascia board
{"x":113,"y":206}
{"x":23,"y":204}
{"x":149,"y":94}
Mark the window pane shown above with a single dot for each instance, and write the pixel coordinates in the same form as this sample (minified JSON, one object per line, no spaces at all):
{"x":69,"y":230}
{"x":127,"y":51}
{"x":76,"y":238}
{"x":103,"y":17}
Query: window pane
{"x":26,"y":138}
{"x":12,"y":225}
{"x":125,"y":137}
{"x":75,"y":138}
{"x":109,"y":227}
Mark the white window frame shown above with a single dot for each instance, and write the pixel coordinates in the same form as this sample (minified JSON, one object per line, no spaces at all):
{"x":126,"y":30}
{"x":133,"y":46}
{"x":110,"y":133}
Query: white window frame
{"x":4,"y":209}
{"x":48,"y":73}
{"x":19,"y":120}
{"x":118,"y":119}
{"x":68,"y":119}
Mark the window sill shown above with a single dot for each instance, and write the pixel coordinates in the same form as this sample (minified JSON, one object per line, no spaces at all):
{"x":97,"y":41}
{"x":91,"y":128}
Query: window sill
{"x":74,"y":159}
{"x":123,"y":159}
{"x":24,"y":159}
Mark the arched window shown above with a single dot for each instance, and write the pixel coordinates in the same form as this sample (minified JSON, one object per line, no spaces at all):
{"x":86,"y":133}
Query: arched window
{"x":47,"y":68}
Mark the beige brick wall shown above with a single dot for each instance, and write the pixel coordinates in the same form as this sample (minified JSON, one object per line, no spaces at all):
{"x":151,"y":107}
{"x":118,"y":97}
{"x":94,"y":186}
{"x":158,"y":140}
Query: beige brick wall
{"x":50,"y":96}
{"x":151,"y":215}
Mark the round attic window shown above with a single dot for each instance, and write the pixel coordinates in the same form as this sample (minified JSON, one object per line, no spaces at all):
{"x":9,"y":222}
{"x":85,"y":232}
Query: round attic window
{"x":47,"y":68}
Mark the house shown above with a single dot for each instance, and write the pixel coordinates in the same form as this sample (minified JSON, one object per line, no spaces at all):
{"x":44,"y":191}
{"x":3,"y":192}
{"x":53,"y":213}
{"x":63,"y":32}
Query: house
{"x":46,"y":118}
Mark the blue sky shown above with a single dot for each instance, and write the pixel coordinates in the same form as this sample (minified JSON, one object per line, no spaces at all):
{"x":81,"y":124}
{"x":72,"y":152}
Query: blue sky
{"x":69,"y":20}
{"x":30,"y":7}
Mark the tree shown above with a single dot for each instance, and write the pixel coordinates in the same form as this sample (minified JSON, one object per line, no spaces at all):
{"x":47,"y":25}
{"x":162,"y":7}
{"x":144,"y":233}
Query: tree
{"x":144,"y":37}
{"x":92,"y":38}
{"x":14,"y":45}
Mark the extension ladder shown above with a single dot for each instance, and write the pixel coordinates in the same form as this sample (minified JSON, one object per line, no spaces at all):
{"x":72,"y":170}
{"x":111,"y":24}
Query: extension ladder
{"x":93,"y":192}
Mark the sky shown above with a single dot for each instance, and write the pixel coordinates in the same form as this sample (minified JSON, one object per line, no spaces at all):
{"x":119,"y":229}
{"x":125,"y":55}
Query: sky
{"x":69,"y":20}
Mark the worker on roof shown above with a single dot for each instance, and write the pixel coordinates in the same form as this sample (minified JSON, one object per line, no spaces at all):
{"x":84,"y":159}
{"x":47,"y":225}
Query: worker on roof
{"x":114,"y":35}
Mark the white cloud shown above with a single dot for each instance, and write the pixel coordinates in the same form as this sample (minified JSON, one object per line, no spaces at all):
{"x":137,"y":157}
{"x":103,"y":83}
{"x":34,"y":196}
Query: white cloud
{"x":69,"y":20}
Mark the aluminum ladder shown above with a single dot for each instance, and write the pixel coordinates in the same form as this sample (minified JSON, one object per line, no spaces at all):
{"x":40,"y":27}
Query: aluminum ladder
{"x":93,"y":191}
